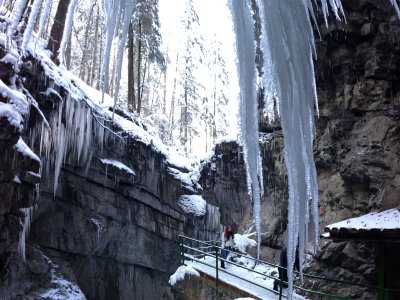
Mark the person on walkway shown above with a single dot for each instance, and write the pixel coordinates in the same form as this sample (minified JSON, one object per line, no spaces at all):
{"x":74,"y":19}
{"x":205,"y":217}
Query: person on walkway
{"x":283,"y":264}
{"x":227,"y":244}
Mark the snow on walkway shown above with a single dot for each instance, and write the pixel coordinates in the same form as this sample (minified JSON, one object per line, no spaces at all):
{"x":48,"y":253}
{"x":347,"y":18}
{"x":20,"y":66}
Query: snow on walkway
{"x":207,"y":266}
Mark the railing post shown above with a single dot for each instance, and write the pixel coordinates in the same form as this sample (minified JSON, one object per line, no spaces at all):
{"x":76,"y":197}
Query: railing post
{"x":280,"y":282}
{"x":216,"y":268}
{"x":182,"y":250}
{"x":381,"y":272}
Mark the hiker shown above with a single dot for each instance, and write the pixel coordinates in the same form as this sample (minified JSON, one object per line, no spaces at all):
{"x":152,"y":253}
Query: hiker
{"x":227,"y":244}
{"x":283,"y":264}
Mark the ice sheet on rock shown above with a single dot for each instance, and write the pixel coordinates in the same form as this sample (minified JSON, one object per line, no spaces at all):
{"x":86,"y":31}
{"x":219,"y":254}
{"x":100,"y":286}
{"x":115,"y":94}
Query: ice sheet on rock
{"x":26,"y":225}
{"x":193,"y":204}
{"x":118,"y":165}
{"x":388,"y":219}
{"x":180,"y":274}
{"x":63,"y":289}
{"x":12,"y":115}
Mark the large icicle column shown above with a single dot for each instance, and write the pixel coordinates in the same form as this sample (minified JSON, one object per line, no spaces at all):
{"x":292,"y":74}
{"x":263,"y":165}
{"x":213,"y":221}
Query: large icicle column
{"x":289,"y":45}
{"x":243,"y":23}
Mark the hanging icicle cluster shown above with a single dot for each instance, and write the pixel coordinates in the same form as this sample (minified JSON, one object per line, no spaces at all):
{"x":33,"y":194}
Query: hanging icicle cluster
{"x":288,"y":45}
{"x":243,"y":23}
{"x":118,"y":16}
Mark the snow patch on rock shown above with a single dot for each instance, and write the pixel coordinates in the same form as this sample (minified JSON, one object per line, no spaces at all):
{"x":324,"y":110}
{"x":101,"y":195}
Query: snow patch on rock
{"x":180,"y":274}
{"x":193,"y":204}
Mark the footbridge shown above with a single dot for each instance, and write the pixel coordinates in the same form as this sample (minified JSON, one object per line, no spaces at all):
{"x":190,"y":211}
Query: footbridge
{"x":253,"y":278}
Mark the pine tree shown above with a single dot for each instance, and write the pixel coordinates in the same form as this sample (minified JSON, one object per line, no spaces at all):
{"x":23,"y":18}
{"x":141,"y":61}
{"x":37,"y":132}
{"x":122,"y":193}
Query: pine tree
{"x":191,"y":89}
{"x":143,"y":52}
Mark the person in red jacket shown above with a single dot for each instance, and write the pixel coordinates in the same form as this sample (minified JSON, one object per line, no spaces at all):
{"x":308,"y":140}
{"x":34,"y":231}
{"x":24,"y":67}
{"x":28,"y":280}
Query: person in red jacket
{"x":227,"y":243}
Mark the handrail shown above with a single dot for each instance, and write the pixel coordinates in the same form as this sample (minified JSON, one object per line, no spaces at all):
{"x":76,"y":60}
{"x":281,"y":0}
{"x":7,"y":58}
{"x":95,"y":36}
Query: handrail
{"x":279,"y":267}
{"x":225,"y":271}
{"x":265,"y":275}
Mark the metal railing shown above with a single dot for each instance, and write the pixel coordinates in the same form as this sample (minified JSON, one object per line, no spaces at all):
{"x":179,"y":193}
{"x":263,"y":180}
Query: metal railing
{"x":201,"y":249}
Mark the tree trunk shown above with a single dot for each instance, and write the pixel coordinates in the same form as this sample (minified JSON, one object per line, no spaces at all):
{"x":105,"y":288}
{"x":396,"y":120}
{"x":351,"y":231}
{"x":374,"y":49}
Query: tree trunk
{"x":57,"y":29}
{"x":84,"y":68}
{"x":27,"y":12}
{"x":131,"y":75}
{"x":172,"y":110}
{"x":68,"y":54}
{"x":95,"y":49}
{"x":98,"y":76}
{"x":164,"y":103}
{"x":111,"y":85}
{"x":139,"y":95}
{"x":142,"y":97}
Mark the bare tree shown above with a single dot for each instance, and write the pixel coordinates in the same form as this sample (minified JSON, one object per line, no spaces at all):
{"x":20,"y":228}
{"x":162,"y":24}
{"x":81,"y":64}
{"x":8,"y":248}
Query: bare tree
{"x":57,"y":29}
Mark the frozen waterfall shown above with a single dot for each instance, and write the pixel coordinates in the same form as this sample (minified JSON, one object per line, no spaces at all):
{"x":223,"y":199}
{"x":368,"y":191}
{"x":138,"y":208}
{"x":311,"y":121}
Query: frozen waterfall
{"x":243,"y":22}
{"x":288,"y":45}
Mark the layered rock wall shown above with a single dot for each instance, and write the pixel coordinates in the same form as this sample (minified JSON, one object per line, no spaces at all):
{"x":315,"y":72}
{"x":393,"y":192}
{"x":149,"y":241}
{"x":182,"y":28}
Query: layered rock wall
{"x":107,"y":213}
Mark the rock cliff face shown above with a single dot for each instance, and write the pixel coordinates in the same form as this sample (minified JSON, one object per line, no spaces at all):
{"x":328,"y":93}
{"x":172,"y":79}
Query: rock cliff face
{"x":117,"y":227}
{"x":19,"y":176}
{"x":107,"y":213}
{"x":357,"y":147}
{"x":358,"y":132}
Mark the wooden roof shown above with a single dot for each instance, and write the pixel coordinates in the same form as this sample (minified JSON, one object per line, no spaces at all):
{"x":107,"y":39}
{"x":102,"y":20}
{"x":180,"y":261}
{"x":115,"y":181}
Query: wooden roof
{"x":376,"y":226}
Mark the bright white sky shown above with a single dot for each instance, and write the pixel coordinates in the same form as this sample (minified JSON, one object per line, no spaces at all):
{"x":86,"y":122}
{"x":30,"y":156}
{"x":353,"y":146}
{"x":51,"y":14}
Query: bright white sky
{"x":215,"y":19}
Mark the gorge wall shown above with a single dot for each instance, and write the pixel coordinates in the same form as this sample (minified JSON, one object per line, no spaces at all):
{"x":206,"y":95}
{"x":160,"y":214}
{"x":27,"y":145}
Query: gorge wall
{"x":103,"y":202}
{"x":357,"y":148}
{"x":114,"y":230}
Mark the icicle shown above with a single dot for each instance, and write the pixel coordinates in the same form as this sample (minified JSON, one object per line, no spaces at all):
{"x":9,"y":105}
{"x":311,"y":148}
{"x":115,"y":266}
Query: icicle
{"x":25,"y":231}
{"x":59,"y":148}
{"x":288,"y":42}
{"x":396,"y":7}
{"x":88,"y":136}
{"x":67,"y":30}
{"x":31,"y":23}
{"x":128,"y":11}
{"x":80,"y":131}
{"x":243,"y":24}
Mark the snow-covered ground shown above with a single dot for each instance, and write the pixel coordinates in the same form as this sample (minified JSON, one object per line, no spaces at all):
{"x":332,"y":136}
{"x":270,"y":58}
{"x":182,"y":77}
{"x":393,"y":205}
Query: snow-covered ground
{"x":256,"y":284}
{"x":242,"y":273}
